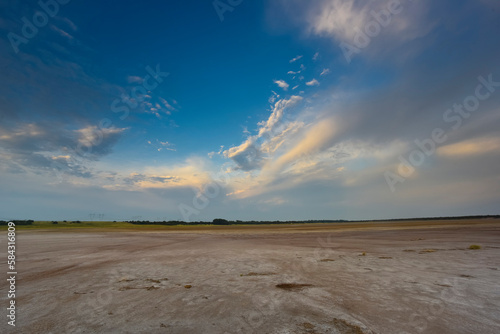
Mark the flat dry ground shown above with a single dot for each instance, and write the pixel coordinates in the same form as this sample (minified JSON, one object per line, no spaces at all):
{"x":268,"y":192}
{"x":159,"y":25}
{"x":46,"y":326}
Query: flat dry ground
{"x":397,"y":277}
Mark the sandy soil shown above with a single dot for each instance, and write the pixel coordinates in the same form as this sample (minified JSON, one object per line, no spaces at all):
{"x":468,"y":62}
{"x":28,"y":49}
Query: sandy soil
{"x":411,"y":277}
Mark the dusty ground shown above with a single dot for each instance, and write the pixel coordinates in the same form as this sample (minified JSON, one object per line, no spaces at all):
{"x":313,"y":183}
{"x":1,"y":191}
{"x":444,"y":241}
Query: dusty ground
{"x":350,"y":278}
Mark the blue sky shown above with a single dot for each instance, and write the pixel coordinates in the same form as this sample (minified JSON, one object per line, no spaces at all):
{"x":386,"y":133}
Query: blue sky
{"x":269,"y":109}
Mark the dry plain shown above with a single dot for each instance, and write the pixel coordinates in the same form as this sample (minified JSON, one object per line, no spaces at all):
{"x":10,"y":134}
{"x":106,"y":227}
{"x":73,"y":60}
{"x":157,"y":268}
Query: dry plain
{"x":382,"y":277}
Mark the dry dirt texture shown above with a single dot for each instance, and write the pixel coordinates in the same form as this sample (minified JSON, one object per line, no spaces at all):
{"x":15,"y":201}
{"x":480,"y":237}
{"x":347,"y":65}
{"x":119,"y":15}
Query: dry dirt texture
{"x":411,"y":277}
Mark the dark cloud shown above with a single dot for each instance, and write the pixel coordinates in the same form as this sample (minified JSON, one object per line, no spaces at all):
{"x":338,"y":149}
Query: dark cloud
{"x":49,"y":147}
{"x":248,"y":158}
{"x":135,"y":178}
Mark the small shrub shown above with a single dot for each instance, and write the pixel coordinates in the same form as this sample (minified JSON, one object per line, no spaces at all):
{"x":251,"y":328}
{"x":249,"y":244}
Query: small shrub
{"x":257,"y":274}
{"x":474,"y":247}
{"x":55,"y":223}
{"x":423,"y":251}
{"x":292,"y":286}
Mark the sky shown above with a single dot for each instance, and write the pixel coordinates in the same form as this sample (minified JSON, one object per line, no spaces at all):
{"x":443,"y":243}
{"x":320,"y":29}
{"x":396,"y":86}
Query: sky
{"x":249,"y":110}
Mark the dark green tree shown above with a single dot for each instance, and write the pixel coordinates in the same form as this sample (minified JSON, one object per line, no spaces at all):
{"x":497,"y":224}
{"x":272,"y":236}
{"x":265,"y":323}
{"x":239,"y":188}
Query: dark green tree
{"x":220,"y":221}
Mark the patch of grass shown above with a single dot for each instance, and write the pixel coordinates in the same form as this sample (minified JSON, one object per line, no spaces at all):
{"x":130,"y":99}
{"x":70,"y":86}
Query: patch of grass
{"x":149,"y":288}
{"x":292,"y":286}
{"x":409,"y":250}
{"x":126,"y":280}
{"x":82,"y":225}
{"x":346,"y":328}
{"x":188,"y":286}
{"x":60,"y":225}
{"x":308,"y":325}
{"x":423,"y":251}
{"x":385,"y":257}
{"x":362,"y":254}
{"x":153,"y":280}
{"x":156,"y":280}
{"x":326,"y":260}
{"x":474,"y":247}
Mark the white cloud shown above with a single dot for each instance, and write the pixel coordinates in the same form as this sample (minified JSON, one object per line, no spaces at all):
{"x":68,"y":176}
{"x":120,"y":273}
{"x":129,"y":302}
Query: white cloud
{"x":62,"y":32}
{"x":325,"y":71}
{"x":250,"y":155}
{"x":295,"y":59}
{"x":275,"y":201}
{"x":273,"y":98}
{"x":162,"y":145}
{"x":166,"y":104}
{"x":282,"y":84}
{"x":342,"y":20}
{"x":92,"y":135}
{"x":316,"y":56}
{"x":471,"y":147}
{"x":277,"y":113}
{"x":293,"y":156}
{"x":313,"y":82}
{"x":70,"y":24}
{"x":221,"y":152}
{"x":134,"y":79}
{"x":338,"y":18}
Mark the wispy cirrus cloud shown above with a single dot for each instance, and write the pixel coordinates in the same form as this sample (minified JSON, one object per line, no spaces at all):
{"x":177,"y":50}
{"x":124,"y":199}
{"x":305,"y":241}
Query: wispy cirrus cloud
{"x":62,"y":32}
{"x":295,"y":59}
{"x":162,"y":145}
{"x":249,"y":155}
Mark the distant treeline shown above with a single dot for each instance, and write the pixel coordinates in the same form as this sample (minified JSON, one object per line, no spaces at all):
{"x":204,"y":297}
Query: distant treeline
{"x":431,"y":218}
{"x":220,"y":221}
{"x":17,"y":222}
